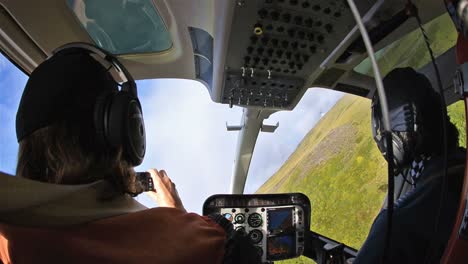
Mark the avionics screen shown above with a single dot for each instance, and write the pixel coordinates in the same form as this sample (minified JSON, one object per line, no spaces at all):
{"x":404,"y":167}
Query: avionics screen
{"x":281,"y":247}
{"x":280,"y":220}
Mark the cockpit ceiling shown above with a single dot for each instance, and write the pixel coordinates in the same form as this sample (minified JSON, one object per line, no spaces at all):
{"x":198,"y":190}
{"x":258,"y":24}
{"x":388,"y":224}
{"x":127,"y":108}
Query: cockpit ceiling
{"x":252,"y":53}
{"x":286,"y":40}
{"x":279,"y":48}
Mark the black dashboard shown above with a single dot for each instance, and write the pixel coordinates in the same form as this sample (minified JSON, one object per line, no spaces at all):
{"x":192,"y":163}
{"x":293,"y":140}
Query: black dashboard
{"x":275,"y":223}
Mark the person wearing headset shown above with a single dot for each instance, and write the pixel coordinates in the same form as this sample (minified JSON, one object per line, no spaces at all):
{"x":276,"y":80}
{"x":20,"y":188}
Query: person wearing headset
{"x":79,"y":139}
{"x":415,"y":114}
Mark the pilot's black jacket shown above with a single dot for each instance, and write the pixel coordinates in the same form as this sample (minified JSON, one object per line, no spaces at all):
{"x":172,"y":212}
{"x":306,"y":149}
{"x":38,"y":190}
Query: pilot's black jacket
{"x":415,"y":217}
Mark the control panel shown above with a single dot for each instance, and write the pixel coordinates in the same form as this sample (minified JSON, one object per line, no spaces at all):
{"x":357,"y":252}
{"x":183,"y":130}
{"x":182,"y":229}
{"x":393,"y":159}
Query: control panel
{"x":275,"y":224}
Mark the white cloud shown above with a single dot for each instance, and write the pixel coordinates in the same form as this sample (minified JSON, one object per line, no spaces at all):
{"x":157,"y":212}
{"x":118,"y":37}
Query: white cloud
{"x":186,"y":136}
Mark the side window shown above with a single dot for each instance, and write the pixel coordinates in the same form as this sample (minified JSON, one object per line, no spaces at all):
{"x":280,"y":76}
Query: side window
{"x":12,"y":82}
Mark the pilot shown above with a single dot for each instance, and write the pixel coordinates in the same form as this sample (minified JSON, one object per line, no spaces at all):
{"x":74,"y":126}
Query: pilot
{"x":415,"y":115}
{"x":84,"y":214}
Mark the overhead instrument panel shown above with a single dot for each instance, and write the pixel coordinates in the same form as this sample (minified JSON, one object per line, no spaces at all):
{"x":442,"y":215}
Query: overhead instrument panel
{"x":275,"y":223}
{"x":276,"y":45}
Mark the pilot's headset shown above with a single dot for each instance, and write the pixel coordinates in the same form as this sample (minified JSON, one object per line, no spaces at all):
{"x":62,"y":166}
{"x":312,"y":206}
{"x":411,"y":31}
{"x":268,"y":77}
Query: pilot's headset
{"x":405,"y":112}
{"x":118,"y":117}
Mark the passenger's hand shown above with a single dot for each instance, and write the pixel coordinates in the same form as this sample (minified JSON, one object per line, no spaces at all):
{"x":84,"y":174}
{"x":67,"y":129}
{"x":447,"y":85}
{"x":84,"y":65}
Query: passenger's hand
{"x":165,"y":193}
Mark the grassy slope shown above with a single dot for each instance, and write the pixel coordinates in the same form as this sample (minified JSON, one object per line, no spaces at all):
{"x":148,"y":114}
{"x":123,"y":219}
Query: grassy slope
{"x":342,"y":171}
{"x":338,"y":166}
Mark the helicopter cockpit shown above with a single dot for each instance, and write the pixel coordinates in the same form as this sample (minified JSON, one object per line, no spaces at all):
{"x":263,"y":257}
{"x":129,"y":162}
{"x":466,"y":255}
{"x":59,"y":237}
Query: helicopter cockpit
{"x":261,"y":56}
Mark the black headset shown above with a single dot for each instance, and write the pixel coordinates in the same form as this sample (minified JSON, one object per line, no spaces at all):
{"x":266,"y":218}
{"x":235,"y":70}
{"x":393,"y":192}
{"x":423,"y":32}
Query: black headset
{"x":407,"y":136}
{"x":118,"y":117}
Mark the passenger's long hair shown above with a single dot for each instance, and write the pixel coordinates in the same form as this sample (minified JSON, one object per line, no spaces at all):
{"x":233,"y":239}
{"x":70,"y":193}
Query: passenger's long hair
{"x":66,"y":153}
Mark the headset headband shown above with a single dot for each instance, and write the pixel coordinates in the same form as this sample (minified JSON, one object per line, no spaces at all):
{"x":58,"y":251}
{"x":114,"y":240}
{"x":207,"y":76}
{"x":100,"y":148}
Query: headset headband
{"x":128,"y":83}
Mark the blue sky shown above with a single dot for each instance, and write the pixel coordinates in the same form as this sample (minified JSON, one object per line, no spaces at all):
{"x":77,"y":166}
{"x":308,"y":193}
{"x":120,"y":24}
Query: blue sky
{"x":186,"y":134}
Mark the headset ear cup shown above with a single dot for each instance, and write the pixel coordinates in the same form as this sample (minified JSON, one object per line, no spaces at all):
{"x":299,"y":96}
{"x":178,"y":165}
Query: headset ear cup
{"x":101,"y":111}
{"x":136,"y":140}
{"x":116,"y":119}
{"x":126,"y":127}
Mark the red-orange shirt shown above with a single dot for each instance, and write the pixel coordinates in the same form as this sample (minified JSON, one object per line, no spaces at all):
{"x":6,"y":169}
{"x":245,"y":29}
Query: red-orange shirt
{"x":160,"y":235}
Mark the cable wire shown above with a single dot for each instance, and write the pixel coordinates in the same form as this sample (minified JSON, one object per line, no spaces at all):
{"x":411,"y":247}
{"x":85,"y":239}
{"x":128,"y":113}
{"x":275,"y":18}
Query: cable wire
{"x":430,"y":251}
{"x":386,"y":124}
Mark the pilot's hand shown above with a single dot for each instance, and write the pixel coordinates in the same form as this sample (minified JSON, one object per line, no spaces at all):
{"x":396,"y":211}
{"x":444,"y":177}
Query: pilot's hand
{"x":165,"y":193}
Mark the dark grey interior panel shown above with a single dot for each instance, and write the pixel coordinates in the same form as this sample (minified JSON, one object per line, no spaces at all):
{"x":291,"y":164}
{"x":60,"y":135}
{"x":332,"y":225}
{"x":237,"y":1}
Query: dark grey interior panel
{"x":284,"y":39}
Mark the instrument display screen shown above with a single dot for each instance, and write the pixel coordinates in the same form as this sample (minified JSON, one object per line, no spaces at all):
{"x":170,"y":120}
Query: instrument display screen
{"x":281,"y":247}
{"x":280,"y":221}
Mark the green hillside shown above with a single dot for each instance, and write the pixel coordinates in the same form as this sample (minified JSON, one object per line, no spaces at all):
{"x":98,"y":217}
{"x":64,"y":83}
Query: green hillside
{"x":340,"y":169}
{"x":337,"y":164}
